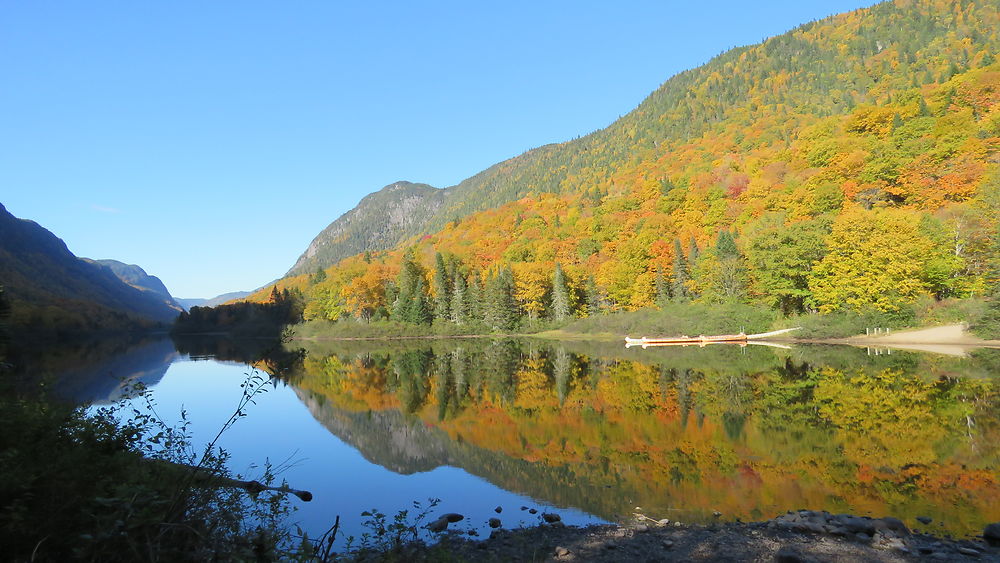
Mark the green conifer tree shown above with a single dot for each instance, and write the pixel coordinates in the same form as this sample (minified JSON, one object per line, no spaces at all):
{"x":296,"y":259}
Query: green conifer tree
{"x":560,"y":295}
{"x":459,"y":307}
{"x":662,"y":289}
{"x":681,"y":274}
{"x":500,"y":307}
{"x":475,"y":298}
{"x":411,"y":305}
{"x":442,"y":285}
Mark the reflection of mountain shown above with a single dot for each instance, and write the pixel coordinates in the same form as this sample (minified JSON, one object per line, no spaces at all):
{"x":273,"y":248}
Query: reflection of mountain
{"x":103,"y":382}
{"x":407,"y":445}
{"x":680,"y":432}
{"x":94,"y":371}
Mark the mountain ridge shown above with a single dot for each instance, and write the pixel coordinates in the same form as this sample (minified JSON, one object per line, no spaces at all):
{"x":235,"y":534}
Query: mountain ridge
{"x":821,"y":68}
{"x":51,"y":289}
{"x":136,"y":277}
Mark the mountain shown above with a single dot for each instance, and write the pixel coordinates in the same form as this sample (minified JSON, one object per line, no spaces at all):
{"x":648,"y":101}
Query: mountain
{"x":849,"y":164}
{"x":138,"y":278}
{"x":52,"y":290}
{"x":823,"y":68}
{"x":378,"y":222}
{"x":187,"y":303}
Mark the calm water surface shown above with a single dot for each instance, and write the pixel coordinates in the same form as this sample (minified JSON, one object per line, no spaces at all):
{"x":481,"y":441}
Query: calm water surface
{"x":588,"y":430}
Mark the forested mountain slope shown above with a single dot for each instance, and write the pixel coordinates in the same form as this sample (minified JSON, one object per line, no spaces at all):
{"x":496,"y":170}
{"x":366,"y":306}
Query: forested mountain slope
{"x":828,"y":67}
{"x":851,"y":163}
{"x":51,"y":289}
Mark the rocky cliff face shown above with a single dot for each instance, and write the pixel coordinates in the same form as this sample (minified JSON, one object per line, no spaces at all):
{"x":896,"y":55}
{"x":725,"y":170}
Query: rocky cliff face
{"x":379,"y":222}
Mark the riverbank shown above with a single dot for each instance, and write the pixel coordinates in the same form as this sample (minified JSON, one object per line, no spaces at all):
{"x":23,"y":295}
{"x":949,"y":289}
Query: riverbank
{"x":952,"y":340}
{"x":803,"y":536}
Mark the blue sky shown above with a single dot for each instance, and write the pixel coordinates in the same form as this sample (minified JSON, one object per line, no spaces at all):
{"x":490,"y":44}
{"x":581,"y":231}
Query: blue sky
{"x":209,"y":142}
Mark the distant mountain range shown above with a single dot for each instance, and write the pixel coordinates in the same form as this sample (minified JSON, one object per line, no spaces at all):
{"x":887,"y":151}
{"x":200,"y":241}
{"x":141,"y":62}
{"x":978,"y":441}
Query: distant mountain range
{"x":52,"y":290}
{"x":189,"y":302}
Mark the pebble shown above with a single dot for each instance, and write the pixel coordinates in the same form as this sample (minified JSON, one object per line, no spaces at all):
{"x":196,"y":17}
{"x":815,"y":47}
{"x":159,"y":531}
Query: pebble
{"x":453,"y":517}
{"x":677,"y":524}
{"x":668,"y":544}
{"x":494,"y":523}
{"x":498,"y":509}
{"x":663,"y":522}
{"x":642,"y":528}
{"x":716,"y":514}
{"x":561,"y":551}
{"x":532,"y":511}
{"x":968,"y":551}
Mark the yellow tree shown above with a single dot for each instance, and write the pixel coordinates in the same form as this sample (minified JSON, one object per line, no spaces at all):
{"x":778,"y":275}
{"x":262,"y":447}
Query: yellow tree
{"x":365,"y":293}
{"x":877,"y":259}
{"x":532,"y":282}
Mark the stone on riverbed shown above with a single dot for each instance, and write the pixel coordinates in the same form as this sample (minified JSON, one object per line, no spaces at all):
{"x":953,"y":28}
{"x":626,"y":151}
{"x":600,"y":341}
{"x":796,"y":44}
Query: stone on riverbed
{"x":453,"y":517}
{"x":551,"y":517}
{"x":494,"y":523}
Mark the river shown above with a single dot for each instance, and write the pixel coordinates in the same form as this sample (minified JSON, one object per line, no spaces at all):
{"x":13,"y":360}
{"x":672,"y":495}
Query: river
{"x":589,"y":430}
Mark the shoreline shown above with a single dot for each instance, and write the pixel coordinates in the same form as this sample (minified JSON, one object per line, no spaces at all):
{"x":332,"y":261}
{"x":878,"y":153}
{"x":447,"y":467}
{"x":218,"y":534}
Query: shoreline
{"x":926,"y":338}
{"x":797,"y":536}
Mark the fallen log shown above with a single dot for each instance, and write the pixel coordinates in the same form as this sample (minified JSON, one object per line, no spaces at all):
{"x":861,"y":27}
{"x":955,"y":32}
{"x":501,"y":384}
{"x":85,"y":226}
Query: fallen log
{"x":205,"y":477}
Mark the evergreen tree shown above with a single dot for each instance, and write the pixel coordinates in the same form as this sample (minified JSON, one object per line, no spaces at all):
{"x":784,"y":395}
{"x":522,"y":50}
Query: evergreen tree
{"x":679,"y":287}
{"x":442,"y":287}
{"x":411,"y":300}
{"x":693,"y":251}
{"x":500,"y":307}
{"x":318,"y":277}
{"x":593,"y":297}
{"x":560,"y":295}
{"x":662,"y":289}
{"x":459,"y":300}
{"x":475,"y":298}
{"x":725,"y":245}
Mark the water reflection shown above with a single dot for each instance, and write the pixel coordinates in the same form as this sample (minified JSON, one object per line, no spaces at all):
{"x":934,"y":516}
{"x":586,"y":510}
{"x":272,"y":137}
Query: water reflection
{"x":94,"y":370}
{"x":749,"y":432}
{"x":681,"y":432}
